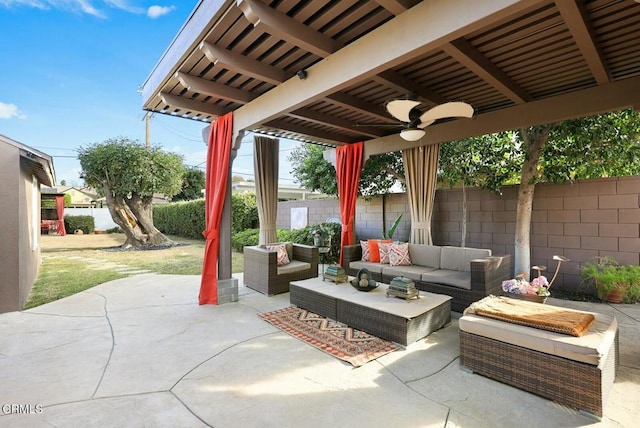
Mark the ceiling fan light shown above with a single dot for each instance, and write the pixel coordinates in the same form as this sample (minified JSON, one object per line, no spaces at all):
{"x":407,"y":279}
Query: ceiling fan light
{"x":412,"y":134}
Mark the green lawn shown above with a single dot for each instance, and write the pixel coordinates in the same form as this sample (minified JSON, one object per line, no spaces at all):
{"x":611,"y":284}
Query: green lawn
{"x":74,"y":263}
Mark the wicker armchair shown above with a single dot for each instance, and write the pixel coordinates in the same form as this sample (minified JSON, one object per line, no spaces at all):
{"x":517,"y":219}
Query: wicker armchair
{"x":262,"y":273}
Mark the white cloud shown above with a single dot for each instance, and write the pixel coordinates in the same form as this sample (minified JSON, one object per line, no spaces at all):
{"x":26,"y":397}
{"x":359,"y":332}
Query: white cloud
{"x":157,"y":11}
{"x":9,"y":111}
{"x":89,"y":7}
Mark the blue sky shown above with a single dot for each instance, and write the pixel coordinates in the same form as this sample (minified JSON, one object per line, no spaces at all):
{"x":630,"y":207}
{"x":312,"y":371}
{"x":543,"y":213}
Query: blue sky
{"x":71,"y":71}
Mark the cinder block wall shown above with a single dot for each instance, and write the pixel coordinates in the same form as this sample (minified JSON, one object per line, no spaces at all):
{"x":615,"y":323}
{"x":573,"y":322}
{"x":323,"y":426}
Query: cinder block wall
{"x":583,"y":220}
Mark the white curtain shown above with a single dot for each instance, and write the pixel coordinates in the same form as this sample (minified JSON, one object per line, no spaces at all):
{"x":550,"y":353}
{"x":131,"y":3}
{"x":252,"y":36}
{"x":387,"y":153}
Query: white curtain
{"x":265,"y":165}
{"x":421,"y":167}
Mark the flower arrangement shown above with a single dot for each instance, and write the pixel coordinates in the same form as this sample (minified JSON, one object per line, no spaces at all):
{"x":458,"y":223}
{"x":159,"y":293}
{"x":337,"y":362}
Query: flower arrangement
{"x":539,"y":286}
{"x":519,"y":285}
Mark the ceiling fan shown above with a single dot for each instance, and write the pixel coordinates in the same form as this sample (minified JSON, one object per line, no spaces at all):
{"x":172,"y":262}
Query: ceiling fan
{"x":415,"y":120}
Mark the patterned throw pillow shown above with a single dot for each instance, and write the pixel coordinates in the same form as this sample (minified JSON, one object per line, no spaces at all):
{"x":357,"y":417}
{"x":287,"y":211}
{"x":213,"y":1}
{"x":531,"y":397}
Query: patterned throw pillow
{"x":399,"y":254}
{"x":282,"y":256}
{"x":375,"y":249}
{"x":366,"y":255}
{"x":384,"y":252}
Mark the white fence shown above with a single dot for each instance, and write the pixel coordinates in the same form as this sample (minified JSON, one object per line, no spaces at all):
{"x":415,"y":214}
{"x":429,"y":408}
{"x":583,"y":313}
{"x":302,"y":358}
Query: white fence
{"x":101,"y":216}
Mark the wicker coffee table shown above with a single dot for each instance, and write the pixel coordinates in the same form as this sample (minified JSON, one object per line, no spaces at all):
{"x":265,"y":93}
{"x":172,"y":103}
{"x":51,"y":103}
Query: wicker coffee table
{"x":395,"y":319}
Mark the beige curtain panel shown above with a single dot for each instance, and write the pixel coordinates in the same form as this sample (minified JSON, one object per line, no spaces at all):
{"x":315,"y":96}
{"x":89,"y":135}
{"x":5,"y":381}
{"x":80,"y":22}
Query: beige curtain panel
{"x":265,"y":165}
{"x":421,"y":167}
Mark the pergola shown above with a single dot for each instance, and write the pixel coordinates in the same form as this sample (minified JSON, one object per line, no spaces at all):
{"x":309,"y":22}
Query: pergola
{"x":320,"y":70}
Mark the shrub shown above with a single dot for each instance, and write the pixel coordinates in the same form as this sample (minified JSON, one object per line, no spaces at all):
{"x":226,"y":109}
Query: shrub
{"x":245,"y":237}
{"x":86,"y":223}
{"x":245,"y":211}
{"x":184,"y":219}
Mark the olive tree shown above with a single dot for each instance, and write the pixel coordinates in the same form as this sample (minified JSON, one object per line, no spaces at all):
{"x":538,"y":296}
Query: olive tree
{"x":128,"y":174}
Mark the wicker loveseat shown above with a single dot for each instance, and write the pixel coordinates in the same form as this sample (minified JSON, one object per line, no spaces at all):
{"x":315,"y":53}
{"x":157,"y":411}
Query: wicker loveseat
{"x":465,"y":274}
{"x":262,"y":273}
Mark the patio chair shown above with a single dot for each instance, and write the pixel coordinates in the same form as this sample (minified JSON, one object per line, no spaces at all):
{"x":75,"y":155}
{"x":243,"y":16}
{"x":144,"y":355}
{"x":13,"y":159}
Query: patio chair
{"x":262,"y":273}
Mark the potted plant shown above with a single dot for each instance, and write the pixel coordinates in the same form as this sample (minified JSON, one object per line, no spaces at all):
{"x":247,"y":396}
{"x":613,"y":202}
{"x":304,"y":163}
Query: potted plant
{"x":321,"y":236}
{"x":613,"y":282}
{"x":392,"y":229}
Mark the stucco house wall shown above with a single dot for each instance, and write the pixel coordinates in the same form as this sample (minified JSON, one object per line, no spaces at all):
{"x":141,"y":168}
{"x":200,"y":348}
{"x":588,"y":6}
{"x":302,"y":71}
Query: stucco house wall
{"x":22,"y":170}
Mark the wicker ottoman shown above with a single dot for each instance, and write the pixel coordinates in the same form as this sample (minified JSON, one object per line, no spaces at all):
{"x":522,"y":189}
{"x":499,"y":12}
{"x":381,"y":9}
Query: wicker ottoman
{"x":574,"y":371}
{"x":391,"y":318}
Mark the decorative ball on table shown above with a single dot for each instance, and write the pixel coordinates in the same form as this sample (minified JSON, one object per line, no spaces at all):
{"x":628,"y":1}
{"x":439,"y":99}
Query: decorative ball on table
{"x":362,"y":281}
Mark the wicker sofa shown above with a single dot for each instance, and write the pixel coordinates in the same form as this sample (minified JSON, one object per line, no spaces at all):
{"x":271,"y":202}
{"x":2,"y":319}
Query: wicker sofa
{"x":465,"y":274}
{"x":262,"y":273}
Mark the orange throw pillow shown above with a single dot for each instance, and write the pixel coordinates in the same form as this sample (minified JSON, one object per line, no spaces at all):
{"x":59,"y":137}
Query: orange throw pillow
{"x":374,"y":249}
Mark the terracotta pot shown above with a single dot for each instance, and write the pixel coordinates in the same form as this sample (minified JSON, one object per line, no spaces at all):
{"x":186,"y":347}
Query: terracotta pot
{"x":614,"y":296}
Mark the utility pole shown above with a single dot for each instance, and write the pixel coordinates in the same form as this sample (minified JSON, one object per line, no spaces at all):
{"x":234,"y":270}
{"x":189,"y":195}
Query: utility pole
{"x":148,"y":125}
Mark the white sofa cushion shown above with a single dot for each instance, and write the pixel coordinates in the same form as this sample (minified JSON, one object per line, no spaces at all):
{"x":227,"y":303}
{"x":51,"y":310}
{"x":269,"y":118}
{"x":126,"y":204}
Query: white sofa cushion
{"x":372,"y":267}
{"x":458,"y":258}
{"x":425,"y":255}
{"x":454,"y":278}
{"x":412,"y":271}
{"x":293,"y":266}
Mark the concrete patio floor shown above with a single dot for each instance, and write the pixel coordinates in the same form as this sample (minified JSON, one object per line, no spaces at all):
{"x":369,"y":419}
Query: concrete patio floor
{"x":140,"y":351}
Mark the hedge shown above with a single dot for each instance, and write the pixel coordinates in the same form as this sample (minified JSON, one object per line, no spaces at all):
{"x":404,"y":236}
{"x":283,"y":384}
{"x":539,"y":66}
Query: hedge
{"x":86,"y":223}
{"x":184,"y":219}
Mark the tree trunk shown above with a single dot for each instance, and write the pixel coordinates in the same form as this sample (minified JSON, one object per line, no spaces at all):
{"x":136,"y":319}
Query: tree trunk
{"x":142,"y":208}
{"x":123,"y":217}
{"x":463,"y":243}
{"x":135,"y":217}
{"x":534,"y":140}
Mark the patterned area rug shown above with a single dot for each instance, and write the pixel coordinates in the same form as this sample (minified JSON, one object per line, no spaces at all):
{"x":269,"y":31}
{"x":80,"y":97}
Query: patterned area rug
{"x":332,"y":337}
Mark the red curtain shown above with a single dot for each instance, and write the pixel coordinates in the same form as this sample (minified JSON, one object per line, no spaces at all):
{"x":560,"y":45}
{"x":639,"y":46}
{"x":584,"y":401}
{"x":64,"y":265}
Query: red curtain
{"x":217,"y":176}
{"x":348,"y":167}
{"x":60,"y":212}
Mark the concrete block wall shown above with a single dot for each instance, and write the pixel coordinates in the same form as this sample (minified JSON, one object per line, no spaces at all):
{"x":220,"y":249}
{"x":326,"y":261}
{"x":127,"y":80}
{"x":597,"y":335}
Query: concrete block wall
{"x":580,"y":220}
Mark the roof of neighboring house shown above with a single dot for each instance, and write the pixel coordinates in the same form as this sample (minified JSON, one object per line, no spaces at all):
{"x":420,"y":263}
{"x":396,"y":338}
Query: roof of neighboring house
{"x":285,"y":191}
{"x":41,"y":163}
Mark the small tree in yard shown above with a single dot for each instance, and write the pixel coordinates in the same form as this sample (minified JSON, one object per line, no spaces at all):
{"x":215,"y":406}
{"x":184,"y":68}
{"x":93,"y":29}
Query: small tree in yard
{"x":128,"y":174}
{"x":192,"y":185}
{"x":589,"y":147}
{"x":313,"y":172}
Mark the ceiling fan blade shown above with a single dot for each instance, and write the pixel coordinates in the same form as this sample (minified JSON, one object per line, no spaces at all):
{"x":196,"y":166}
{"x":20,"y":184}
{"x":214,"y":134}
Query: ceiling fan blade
{"x":400,"y":109}
{"x":451,"y":109}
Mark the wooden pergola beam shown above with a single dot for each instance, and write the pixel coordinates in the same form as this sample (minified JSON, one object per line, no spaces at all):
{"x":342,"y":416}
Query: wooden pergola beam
{"x":596,"y":100}
{"x":574,"y":16}
{"x":396,"y":7}
{"x":286,"y":28}
{"x":207,"y":87}
{"x":401,"y":83}
{"x":307,"y":131}
{"x":325,"y":119}
{"x":249,"y":66}
{"x":466,"y":54}
{"x":189,"y":105}
{"x":392,"y":44}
